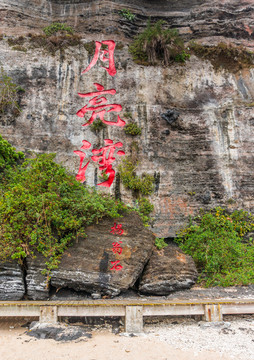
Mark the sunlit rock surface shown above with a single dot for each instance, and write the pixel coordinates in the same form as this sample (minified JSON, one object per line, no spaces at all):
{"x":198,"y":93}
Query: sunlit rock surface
{"x":168,"y":270}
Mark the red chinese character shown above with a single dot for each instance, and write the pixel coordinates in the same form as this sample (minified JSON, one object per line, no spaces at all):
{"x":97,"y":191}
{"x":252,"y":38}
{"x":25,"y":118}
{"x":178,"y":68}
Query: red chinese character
{"x":81,"y":176}
{"x":117,"y":229}
{"x":116,"y":266}
{"x":100,"y":106}
{"x":105,"y":157}
{"x":111,"y":69}
{"x":117,"y":248}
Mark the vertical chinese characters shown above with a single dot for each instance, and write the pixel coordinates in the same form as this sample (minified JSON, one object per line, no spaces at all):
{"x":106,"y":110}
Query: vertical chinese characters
{"x":116,"y":246}
{"x":98,"y":107}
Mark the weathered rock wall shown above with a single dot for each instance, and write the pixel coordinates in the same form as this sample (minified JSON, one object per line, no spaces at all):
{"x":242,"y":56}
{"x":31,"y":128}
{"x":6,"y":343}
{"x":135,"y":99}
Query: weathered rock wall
{"x":204,"y":158}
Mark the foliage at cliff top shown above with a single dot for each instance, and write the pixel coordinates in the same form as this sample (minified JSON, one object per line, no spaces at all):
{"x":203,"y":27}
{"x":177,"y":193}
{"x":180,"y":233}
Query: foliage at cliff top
{"x":156,"y":45}
{"x":220,"y":247}
{"x":44,"y":209}
{"x":229,"y":57}
{"x":8,"y":154}
{"x":51,"y":43}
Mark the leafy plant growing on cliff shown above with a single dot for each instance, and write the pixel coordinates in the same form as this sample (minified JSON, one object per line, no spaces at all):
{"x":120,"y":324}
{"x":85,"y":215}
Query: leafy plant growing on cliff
{"x":127,"y":14}
{"x":223,"y":254}
{"x":9,"y":98}
{"x":160,"y":243}
{"x":56,"y":27}
{"x":144,"y":209}
{"x":143,"y":184}
{"x":44,"y":209}
{"x":132,"y":129}
{"x":158,"y":45}
{"x":97,"y":126}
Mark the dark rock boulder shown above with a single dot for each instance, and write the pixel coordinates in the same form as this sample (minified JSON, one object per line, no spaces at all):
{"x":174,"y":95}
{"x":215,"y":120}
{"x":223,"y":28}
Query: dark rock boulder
{"x":12,"y":285}
{"x":37,"y":288}
{"x":168,"y":270}
{"x":170,"y":116}
{"x":109,"y":260}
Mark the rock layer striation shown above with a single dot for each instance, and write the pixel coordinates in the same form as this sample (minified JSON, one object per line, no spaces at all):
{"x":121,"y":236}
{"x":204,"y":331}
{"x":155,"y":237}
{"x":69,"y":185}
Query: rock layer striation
{"x":12,"y":286}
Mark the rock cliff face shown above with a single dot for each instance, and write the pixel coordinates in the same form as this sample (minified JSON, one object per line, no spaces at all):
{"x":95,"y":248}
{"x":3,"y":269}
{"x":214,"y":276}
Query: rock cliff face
{"x":12,"y":286}
{"x":202,"y":159}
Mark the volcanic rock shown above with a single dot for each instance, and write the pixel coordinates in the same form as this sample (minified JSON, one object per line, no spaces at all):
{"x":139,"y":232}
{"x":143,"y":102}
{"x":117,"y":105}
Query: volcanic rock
{"x":168,"y":270}
{"x":106,"y":262}
{"x":58,"y":332}
{"x":11,"y":281}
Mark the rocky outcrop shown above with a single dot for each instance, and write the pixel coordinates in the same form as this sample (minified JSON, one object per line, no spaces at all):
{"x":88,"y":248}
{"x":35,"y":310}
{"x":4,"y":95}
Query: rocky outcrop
{"x":168,"y":270}
{"x":107,"y":261}
{"x":12,"y":285}
{"x":37,"y":285}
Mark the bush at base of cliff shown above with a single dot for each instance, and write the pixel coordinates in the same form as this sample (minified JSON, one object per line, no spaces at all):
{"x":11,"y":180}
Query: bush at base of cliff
{"x":158,"y":45}
{"x":8,"y":154}
{"x":216,"y":242}
{"x":44,"y":209}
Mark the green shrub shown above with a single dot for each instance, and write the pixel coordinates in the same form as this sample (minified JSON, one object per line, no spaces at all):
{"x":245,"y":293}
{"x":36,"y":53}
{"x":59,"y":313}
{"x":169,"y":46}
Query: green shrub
{"x":216,"y":243}
{"x":143,"y":184}
{"x":145,"y":207}
{"x":160,"y":243}
{"x":132,"y":129}
{"x":157,"y":45}
{"x":54,"y":28}
{"x":127,"y":14}
{"x":44,"y":209}
{"x":8,"y":93}
{"x":8,"y":154}
{"x":97,"y":126}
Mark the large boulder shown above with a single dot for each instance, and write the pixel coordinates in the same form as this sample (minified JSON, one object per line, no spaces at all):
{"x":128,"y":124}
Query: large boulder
{"x":12,"y":285}
{"x":109,"y":260}
{"x":37,"y":284}
{"x":168,"y":270}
